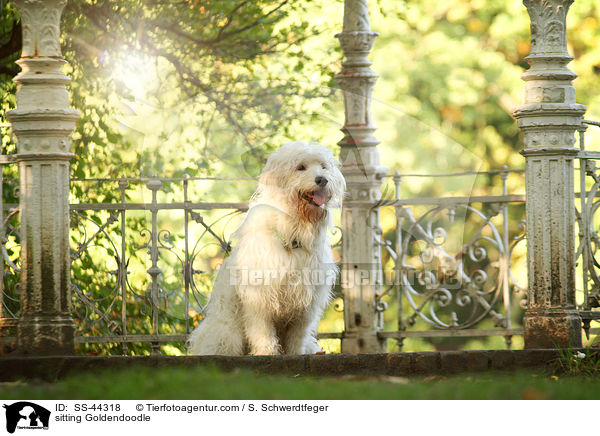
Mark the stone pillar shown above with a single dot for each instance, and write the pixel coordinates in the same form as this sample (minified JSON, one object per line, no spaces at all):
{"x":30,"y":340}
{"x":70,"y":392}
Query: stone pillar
{"x":548,"y":120}
{"x":361,"y":253}
{"x":42,"y":123}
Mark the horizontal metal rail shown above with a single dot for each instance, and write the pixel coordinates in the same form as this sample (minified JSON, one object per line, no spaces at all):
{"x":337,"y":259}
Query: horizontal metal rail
{"x":130,"y":339}
{"x":592,"y":123}
{"x":162,"y":179}
{"x":484,"y":199}
{"x":459,"y":174}
{"x":158,"y":206}
{"x":466,"y":333}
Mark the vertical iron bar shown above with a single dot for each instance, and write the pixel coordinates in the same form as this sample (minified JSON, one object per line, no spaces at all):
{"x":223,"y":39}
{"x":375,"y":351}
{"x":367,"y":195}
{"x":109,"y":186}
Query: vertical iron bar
{"x":154,"y":185}
{"x":187,"y":268}
{"x":585,"y":225}
{"x":506,"y":256}
{"x":398,"y":260}
{"x":2,"y":240}
{"x":123,"y":183}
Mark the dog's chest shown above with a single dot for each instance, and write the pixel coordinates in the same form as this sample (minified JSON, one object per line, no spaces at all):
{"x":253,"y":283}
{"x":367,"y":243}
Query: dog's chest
{"x":298,"y":283}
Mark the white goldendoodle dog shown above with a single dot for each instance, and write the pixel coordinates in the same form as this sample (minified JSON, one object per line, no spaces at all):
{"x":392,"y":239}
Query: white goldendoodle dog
{"x":270,"y":293}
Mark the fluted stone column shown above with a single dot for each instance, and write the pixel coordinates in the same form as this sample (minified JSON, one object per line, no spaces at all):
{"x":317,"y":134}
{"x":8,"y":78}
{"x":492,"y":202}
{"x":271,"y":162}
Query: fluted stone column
{"x":548,"y":120}
{"x":42,"y":123}
{"x":361,"y":255}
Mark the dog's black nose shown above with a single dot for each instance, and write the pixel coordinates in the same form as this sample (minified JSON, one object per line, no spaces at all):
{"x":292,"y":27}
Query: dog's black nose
{"x":321,"y":181}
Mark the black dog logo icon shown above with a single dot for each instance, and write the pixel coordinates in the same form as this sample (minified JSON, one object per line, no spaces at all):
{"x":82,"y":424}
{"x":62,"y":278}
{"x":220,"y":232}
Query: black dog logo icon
{"x":29,"y":415}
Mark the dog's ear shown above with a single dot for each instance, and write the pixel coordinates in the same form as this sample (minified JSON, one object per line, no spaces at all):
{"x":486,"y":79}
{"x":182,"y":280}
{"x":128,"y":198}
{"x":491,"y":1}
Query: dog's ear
{"x":269,"y":178}
{"x":338,"y":184}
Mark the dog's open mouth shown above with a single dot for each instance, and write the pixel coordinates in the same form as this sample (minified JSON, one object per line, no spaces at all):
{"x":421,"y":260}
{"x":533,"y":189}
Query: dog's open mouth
{"x":316,"y":198}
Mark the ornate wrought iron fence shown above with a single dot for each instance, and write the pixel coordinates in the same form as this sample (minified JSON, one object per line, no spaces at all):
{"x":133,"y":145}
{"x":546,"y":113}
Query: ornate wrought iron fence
{"x":448,"y":263}
{"x":141,"y":266}
{"x":588,"y":222}
{"x":452,"y":267}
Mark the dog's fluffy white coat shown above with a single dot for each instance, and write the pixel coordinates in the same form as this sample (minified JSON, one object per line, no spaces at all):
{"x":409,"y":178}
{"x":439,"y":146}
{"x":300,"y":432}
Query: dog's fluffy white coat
{"x":277,"y":307}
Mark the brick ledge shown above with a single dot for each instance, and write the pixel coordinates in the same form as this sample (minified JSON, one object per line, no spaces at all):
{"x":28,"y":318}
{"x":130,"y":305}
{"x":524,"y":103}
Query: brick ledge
{"x":16,"y":367}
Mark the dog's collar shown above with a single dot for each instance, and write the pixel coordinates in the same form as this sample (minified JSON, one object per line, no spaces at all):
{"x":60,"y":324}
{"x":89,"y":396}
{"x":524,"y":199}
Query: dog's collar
{"x":286,"y":244}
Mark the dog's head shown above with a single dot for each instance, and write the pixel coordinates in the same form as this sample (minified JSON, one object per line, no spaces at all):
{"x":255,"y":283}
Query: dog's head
{"x":309,"y":175}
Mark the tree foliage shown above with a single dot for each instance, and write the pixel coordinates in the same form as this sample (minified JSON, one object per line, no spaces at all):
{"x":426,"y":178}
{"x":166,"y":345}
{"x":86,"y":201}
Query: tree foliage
{"x":234,"y":69}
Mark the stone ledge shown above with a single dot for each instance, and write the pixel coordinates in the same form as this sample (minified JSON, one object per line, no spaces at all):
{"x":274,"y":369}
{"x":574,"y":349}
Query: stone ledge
{"x":18,"y":367}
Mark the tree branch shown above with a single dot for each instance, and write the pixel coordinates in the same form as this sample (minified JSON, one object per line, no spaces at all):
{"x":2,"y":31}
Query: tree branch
{"x":221,"y":35}
{"x":256,"y":22}
{"x":230,"y":16}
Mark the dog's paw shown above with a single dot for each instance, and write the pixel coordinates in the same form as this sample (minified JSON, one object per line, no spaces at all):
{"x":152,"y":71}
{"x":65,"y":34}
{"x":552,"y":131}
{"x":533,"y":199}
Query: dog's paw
{"x":265,"y":350}
{"x":312,"y":347}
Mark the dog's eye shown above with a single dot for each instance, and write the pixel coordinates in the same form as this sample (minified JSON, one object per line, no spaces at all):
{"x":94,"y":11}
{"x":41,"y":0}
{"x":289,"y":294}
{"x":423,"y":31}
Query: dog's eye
{"x":301,"y":167}
{"x":323,"y":166}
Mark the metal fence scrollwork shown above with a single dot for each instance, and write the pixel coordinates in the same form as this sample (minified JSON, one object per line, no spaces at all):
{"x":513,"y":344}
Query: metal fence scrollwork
{"x":589,"y":239}
{"x":163,"y":256}
{"x":142,"y":268}
{"x":449,"y":270}
{"x":10,"y":272}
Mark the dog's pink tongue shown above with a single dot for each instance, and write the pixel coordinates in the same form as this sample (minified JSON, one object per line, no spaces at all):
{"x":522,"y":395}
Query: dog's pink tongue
{"x":318,"y":199}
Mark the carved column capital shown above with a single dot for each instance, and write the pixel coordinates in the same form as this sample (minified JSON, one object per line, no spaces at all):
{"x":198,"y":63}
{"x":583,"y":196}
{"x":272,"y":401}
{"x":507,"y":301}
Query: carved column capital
{"x":550,"y":114}
{"x":548,"y":26}
{"x":357,"y":81}
{"x":43,"y":119}
{"x":40,"y":21}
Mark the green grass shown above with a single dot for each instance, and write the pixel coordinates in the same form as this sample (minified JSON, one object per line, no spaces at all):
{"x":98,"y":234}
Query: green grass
{"x":211,"y":383}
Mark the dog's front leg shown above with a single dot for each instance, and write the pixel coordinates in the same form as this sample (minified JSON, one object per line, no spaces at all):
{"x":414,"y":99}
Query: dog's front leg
{"x":259,"y":329}
{"x":300,"y":336}
{"x":294,"y":337}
